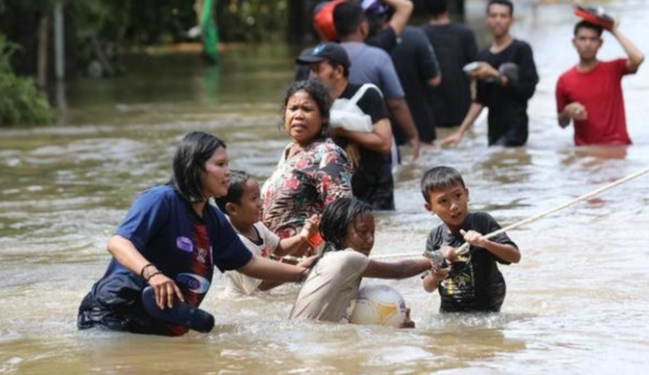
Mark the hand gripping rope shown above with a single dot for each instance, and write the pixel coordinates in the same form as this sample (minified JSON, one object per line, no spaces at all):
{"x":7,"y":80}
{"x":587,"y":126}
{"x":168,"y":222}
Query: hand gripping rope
{"x":465,"y":247}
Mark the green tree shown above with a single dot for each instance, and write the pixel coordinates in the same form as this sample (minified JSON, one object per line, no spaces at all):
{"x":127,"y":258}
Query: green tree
{"x":20,"y":101}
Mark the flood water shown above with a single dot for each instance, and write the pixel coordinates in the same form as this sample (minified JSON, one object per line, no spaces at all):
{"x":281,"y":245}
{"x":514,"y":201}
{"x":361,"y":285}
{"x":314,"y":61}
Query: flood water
{"x":576,"y":304}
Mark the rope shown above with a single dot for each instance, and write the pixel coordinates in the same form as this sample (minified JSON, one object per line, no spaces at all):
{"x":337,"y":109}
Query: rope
{"x":465,"y":247}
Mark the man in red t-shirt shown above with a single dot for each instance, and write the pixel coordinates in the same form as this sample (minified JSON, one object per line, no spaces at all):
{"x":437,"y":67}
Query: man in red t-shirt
{"x":590,"y":94}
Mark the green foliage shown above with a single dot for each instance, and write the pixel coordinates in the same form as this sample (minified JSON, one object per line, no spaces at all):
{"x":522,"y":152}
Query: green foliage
{"x":20,"y":101}
{"x":100,"y":28}
{"x":6,"y":50}
{"x":252,"y":20}
{"x":98,"y":32}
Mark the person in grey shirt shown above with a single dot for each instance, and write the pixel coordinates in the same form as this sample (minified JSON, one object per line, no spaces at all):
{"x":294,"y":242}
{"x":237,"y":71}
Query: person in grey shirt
{"x":373,"y":65}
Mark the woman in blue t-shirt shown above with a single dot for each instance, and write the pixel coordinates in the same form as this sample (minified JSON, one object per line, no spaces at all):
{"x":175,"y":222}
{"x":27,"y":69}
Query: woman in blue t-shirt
{"x":171,"y":239}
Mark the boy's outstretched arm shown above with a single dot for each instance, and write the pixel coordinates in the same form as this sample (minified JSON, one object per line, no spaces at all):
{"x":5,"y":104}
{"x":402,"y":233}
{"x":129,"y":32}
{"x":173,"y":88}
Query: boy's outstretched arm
{"x":267,"y":285}
{"x":396,"y":270}
{"x":297,"y":244}
{"x":505,"y":252}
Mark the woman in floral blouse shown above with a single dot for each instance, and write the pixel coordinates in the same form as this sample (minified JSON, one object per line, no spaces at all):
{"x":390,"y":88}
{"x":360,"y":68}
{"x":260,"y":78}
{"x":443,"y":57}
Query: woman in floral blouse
{"x":313,"y":171}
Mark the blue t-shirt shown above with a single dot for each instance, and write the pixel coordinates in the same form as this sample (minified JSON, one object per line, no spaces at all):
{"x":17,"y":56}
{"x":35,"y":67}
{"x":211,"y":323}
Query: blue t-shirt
{"x":372,"y":65}
{"x":185,"y":247}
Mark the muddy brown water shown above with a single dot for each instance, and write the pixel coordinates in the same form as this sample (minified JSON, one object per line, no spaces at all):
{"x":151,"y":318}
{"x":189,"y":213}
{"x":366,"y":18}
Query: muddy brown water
{"x":577,"y":303}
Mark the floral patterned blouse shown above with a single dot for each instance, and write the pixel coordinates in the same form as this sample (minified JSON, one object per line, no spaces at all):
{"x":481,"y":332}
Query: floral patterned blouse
{"x":303,"y":185}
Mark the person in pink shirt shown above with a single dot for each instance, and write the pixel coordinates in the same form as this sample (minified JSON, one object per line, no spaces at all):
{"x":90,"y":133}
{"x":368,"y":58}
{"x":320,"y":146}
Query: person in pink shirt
{"x":590,"y":93}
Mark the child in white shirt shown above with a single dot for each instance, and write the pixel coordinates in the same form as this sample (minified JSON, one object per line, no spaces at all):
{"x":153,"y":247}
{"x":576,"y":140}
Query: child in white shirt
{"x":242,"y":206}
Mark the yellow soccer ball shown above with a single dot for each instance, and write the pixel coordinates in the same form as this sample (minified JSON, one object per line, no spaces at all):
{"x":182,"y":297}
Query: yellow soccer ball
{"x":379,"y":305}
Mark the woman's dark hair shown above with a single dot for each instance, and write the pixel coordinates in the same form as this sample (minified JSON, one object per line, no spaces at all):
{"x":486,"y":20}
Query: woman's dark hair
{"x":440,"y":178}
{"x":320,"y":96}
{"x":236,"y":186}
{"x":194,"y":150}
{"x":337,"y":218}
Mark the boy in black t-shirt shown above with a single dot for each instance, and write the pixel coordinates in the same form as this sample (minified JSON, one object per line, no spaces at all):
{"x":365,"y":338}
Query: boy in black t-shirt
{"x":473,"y":283}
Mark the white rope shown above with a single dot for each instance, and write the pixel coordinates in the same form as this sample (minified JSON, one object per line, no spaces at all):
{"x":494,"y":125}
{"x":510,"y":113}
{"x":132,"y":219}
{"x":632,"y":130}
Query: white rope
{"x":465,"y":247}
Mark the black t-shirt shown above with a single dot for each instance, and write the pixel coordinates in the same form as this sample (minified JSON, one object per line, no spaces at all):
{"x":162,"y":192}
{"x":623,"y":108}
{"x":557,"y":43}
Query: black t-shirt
{"x":372,"y":181}
{"x":477,"y":285}
{"x":508,"y":122}
{"x":415,"y":62}
{"x":455,"y":46}
{"x":384,"y":39}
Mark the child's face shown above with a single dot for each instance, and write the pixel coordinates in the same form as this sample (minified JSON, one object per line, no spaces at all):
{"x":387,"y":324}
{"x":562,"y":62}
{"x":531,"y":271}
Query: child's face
{"x":360,"y":235}
{"x":450,"y":204}
{"x":248,"y":210}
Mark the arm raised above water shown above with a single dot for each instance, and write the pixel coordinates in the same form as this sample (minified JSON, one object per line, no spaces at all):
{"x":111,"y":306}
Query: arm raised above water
{"x":396,"y":270}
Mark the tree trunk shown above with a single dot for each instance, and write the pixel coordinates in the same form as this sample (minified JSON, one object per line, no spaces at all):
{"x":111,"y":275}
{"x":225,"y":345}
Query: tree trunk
{"x":43,"y":44}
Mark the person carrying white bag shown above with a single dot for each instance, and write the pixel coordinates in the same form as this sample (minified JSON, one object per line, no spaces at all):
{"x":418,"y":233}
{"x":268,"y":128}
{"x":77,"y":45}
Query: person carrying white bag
{"x":359,"y":117}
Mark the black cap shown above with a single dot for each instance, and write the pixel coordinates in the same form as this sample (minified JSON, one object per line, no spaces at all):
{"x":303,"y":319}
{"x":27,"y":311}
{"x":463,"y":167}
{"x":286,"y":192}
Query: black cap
{"x":333,"y":52}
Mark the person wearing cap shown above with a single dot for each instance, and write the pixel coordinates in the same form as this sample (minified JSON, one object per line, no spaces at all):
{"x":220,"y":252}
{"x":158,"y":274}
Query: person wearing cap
{"x":323,"y":24}
{"x":372,"y":180}
{"x":373,"y":65}
{"x":506,"y":79}
{"x":590,"y":93}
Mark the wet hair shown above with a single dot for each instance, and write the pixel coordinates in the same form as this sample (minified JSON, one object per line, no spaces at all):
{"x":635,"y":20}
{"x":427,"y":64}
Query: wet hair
{"x":236,"y":187}
{"x":348,"y":16}
{"x":436,"y":7}
{"x":195,"y":149}
{"x":438,"y":178}
{"x":320,"y":96}
{"x":587,"y":25}
{"x":506,"y":3}
{"x":337,"y":218}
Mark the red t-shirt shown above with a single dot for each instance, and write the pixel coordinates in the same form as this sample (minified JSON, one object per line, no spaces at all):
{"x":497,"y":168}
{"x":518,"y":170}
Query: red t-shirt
{"x":600,"y":92}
